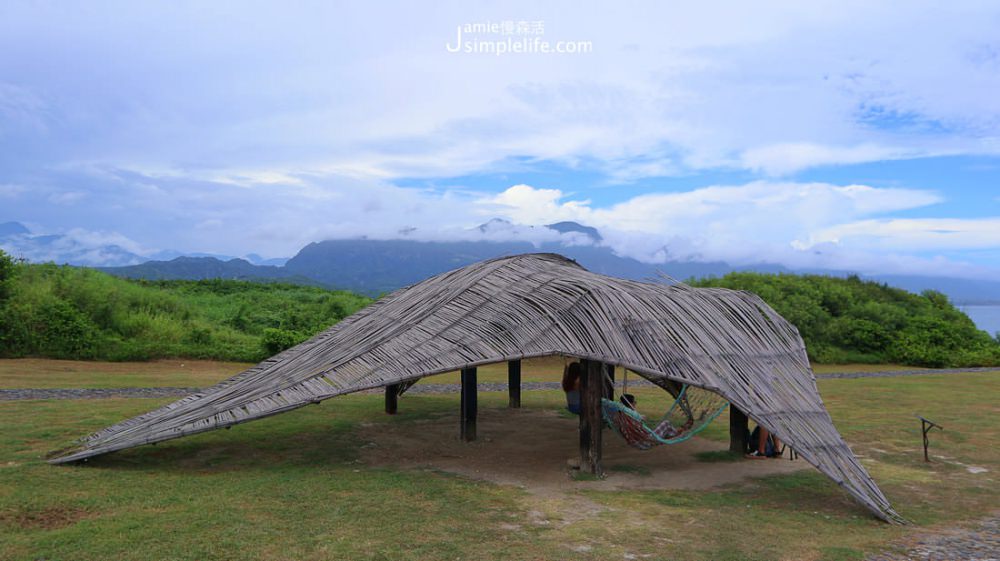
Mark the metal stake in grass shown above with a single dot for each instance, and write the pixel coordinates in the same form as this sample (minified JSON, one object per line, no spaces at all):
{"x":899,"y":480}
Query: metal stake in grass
{"x":925,"y":426}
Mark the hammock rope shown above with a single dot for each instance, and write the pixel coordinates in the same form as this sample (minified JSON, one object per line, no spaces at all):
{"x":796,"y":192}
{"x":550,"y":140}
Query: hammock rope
{"x":633,"y":428}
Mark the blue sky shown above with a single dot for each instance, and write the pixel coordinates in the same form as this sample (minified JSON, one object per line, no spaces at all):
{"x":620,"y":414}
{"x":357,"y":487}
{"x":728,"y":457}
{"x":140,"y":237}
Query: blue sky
{"x":848,"y":135}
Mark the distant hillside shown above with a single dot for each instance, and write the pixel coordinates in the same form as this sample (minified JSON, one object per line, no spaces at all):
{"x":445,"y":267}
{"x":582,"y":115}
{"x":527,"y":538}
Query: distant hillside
{"x":13,"y":229}
{"x":77,"y":313}
{"x":845,"y":320}
{"x":375,"y":267}
{"x":200,"y":268}
{"x":70,"y":312}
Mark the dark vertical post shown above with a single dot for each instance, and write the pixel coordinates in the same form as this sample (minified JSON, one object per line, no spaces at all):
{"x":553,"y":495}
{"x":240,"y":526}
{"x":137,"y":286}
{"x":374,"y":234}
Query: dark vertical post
{"x":609,"y":382}
{"x":923,"y":429}
{"x":925,"y":426}
{"x":469,"y":404}
{"x":391,"y":398}
{"x":514,"y":383}
{"x":591,"y":424}
{"x":739,"y":430}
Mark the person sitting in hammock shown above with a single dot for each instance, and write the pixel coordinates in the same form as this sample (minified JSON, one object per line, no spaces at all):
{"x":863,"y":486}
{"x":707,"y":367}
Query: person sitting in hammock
{"x":571,"y":385}
{"x":628,"y":400}
{"x":665,"y":429}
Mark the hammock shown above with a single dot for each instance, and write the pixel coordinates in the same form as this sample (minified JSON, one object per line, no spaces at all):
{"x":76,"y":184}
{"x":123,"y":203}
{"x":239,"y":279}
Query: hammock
{"x":693,"y":414}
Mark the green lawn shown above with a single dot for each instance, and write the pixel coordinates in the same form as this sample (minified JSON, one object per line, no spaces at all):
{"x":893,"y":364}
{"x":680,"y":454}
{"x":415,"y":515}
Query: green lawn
{"x":293,"y":487}
{"x":45,"y":373}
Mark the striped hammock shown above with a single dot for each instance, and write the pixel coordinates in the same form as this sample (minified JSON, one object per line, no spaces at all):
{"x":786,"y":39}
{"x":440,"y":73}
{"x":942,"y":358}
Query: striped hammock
{"x":632,"y":427}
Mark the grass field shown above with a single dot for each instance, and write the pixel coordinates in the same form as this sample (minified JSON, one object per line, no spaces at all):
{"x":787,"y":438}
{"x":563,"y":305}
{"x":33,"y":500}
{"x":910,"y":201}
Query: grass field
{"x":296,"y":486}
{"x":44,"y":373}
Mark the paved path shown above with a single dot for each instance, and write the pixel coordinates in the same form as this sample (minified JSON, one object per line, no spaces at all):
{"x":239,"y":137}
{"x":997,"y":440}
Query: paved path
{"x":981,"y":543}
{"x":83,"y":393}
{"x":892,"y":373}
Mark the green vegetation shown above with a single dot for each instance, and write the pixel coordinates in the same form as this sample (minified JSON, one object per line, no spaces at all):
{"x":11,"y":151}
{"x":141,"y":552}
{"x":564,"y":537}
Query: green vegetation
{"x":76,"y":313}
{"x":7,"y":270}
{"x":845,"y":320}
{"x":298,"y":486}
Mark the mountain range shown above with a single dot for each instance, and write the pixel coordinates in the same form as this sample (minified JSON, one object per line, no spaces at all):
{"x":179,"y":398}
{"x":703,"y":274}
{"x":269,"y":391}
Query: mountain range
{"x":86,"y":250}
{"x":375,"y":267}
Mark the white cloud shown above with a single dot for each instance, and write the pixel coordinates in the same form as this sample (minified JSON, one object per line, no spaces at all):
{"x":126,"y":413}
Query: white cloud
{"x":67,"y":197}
{"x":9,"y":191}
{"x":815,"y":225}
{"x":915,"y":234}
{"x":528,"y":205}
{"x":80,"y":237}
{"x":263,"y":142}
{"x":669,"y":88}
{"x":20,"y":108}
{"x":78,"y":246}
{"x":785,"y":158}
{"x":726,"y":216}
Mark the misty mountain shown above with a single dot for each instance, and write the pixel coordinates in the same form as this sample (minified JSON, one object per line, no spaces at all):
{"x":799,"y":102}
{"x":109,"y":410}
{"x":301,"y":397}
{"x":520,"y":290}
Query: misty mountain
{"x":567,"y":227}
{"x":13,"y":229}
{"x":19,"y":241}
{"x":85,"y":249}
{"x":258,"y":260}
{"x":374,"y":267}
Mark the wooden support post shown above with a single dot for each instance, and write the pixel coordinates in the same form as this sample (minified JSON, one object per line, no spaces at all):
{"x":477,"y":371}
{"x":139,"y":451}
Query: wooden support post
{"x":609,"y":382}
{"x":514,"y":384}
{"x":591,"y":423}
{"x":739,"y":429}
{"x":469,"y":404}
{"x":925,"y":427}
{"x":391,"y":398}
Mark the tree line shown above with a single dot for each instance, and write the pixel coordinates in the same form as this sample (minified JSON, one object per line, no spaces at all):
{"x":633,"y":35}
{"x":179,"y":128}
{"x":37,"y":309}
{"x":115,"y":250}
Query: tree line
{"x":69,"y":312}
{"x":850,"y":320}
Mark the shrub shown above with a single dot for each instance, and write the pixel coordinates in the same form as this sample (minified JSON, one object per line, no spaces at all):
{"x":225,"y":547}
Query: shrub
{"x":69,"y":312}
{"x":277,"y":340}
{"x":851,"y":320}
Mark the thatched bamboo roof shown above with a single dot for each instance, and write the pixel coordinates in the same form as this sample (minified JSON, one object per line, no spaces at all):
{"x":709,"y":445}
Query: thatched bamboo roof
{"x":725,"y":341}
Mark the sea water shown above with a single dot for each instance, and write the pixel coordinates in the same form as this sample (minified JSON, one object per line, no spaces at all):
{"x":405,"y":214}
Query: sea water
{"x":986,"y":317}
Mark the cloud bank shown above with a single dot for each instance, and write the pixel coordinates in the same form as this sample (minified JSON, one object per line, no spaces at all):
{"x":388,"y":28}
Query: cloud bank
{"x":800,"y":225}
{"x":687,"y":132}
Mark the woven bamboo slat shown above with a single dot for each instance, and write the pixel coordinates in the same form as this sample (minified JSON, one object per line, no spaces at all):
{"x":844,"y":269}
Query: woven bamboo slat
{"x":533,"y":305}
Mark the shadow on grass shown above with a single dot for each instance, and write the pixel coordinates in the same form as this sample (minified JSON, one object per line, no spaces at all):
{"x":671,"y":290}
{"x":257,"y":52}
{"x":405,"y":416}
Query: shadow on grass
{"x":713,"y":456}
{"x":305,"y":437}
{"x":314,"y":437}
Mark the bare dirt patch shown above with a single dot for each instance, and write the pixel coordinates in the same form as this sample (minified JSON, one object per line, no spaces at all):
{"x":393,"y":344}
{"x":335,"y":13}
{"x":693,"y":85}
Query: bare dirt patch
{"x":531,"y":448}
{"x":49,"y":518}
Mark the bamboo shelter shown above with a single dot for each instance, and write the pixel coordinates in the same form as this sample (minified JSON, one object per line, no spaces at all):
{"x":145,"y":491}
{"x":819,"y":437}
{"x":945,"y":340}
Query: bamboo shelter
{"x":723,"y":341}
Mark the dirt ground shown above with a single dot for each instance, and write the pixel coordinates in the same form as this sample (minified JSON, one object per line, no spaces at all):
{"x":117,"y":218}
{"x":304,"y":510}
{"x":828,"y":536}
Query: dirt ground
{"x":532,"y":448}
